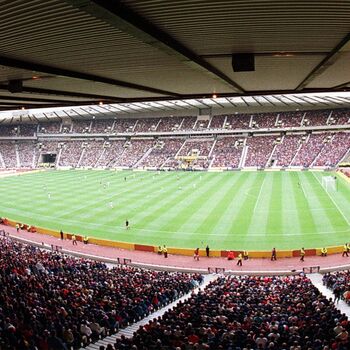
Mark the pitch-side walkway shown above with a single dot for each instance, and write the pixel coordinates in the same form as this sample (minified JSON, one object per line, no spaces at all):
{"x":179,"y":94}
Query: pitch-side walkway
{"x":150,"y":260}
{"x":129,"y":331}
{"x":316,"y":280}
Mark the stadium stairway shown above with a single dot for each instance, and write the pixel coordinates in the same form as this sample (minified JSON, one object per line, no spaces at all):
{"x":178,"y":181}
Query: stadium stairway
{"x":316,"y":279}
{"x":129,"y":331}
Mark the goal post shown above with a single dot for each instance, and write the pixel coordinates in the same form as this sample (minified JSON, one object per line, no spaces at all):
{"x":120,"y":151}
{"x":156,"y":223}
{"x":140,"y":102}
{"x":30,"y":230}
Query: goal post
{"x":329,"y":183}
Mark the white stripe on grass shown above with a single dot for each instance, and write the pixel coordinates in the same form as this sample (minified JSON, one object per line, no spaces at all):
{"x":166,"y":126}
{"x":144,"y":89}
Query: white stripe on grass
{"x":259,"y":195}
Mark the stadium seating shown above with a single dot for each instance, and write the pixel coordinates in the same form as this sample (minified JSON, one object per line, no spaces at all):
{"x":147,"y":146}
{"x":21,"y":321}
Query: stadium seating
{"x":188,"y":123}
{"x":149,"y":124}
{"x":286,"y":150}
{"x":290,"y":119}
{"x":161,"y":152}
{"x":218,"y":122}
{"x":170,"y":124}
{"x":112,"y":150}
{"x":50,"y":128}
{"x":102,"y":126}
{"x":309,"y":150}
{"x":296,"y":149}
{"x":264,"y":120}
{"x":27,"y":129}
{"x":237,"y":121}
{"x":248,"y":313}
{"x":133,"y":152}
{"x":92,"y":153}
{"x":8,"y":154}
{"x":259,"y":150}
{"x":71,"y":153}
{"x":82,"y":127}
{"x":316,"y":118}
{"x":52,"y":301}
{"x":26,"y":154}
{"x":227,"y":153}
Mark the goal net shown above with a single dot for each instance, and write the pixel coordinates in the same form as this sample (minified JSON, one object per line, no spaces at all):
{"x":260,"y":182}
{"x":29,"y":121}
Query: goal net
{"x":329,"y":183}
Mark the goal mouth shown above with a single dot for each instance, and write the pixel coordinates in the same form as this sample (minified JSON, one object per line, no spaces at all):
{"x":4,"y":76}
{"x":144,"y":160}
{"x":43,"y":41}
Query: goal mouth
{"x":329,"y":183}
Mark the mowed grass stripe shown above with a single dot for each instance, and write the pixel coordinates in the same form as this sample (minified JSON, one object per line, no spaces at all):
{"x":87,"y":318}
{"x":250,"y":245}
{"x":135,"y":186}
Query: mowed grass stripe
{"x":274,"y":223}
{"x":160,"y":205}
{"x":260,"y":211}
{"x":181,"y":214}
{"x":208,"y":211}
{"x":129,"y":190}
{"x":217,"y":210}
{"x":223,"y":227}
{"x":244,"y":215}
{"x":289,"y":206}
{"x":149,"y":208}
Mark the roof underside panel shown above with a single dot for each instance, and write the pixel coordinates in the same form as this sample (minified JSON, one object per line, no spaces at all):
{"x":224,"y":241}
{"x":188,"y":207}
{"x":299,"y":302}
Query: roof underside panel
{"x":221,"y":26}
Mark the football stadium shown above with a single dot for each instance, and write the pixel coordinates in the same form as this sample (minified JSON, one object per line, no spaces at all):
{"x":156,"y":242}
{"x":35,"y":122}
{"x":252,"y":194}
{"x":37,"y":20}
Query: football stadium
{"x":174,"y":175}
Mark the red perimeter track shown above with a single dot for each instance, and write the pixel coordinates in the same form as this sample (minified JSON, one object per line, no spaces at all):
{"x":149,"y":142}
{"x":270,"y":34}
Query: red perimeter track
{"x":185,"y":262}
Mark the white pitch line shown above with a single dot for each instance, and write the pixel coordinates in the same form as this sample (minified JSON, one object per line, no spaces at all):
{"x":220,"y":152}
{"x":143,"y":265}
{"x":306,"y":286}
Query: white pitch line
{"x":345,"y":218}
{"x":257,"y":200}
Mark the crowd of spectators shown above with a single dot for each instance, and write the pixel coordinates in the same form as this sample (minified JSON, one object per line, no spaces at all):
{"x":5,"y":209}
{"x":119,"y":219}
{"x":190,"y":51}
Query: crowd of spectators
{"x":112,"y":150}
{"x":162,"y":151}
{"x":202,"y":146}
{"x":9,"y":130}
{"x":8,"y":153}
{"x":289,"y":119}
{"x":316,"y":118}
{"x":26,"y":154}
{"x":170,"y":124}
{"x":124,"y":125}
{"x":201,"y":124}
{"x":50,"y":127}
{"x":133,"y":152}
{"x":259,"y":150}
{"x":339,"y":283}
{"x":264,"y":120}
{"x":52,"y":301}
{"x":71,"y":152}
{"x":227,"y":152}
{"x":188,"y":123}
{"x":92,"y":153}
{"x":339,"y":117}
{"x":82,"y":126}
{"x":333,"y":150}
{"x":309,"y":150}
{"x":27,"y":129}
{"x":248,"y":312}
{"x":237,"y":121}
{"x":102,"y":126}
{"x":217,"y":122}
{"x":147,"y":124}
{"x":286,"y":150}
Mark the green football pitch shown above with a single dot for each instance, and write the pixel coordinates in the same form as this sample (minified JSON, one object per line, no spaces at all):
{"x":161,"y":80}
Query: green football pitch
{"x":229,"y":210}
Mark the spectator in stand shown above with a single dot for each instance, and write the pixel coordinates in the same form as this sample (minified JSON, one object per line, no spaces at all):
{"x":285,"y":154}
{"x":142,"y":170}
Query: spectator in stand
{"x":54,"y":301}
{"x":247,"y":312}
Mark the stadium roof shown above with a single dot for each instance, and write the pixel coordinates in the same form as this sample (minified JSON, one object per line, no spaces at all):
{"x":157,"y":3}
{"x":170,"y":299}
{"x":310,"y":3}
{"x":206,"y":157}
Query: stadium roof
{"x":218,"y":105}
{"x":72,"y":52}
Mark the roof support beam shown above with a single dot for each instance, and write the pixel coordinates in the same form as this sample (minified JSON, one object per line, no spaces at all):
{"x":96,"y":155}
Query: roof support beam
{"x":15,"y":63}
{"x":325,"y":63}
{"x":121,"y":17}
{"x":34,"y":90}
{"x":40,"y":100}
